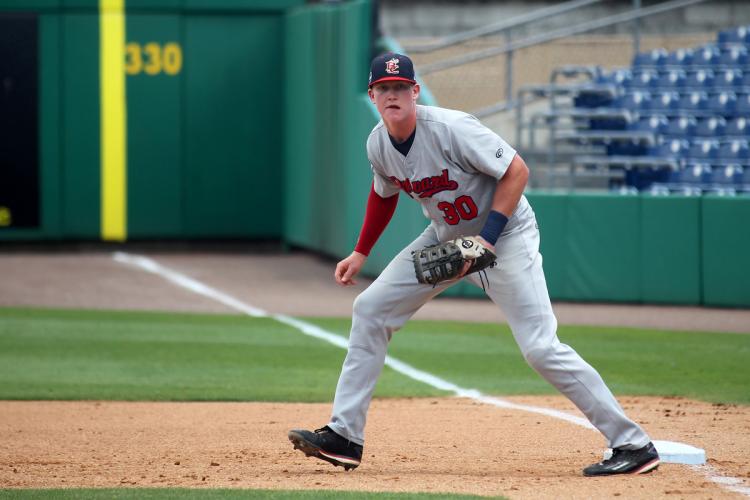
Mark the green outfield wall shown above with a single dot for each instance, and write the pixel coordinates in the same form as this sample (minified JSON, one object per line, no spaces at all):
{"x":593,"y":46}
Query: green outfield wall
{"x":200,"y":118}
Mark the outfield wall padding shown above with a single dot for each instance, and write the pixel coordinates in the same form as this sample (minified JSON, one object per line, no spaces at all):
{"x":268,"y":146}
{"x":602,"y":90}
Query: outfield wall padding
{"x":726,"y":251}
{"x":670,"y":249}
{"x":627,"y":249}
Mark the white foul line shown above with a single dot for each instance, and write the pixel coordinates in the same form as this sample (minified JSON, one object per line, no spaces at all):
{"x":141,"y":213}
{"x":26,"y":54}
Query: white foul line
{"x":149,"y":265}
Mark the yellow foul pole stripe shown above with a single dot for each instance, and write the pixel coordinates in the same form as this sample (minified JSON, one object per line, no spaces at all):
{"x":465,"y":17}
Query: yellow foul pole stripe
{"x":113,"y":120}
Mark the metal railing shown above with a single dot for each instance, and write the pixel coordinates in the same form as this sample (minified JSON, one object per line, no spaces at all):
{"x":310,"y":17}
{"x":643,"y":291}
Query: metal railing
{"x":503,"y":26}
{"x":633,"y":15}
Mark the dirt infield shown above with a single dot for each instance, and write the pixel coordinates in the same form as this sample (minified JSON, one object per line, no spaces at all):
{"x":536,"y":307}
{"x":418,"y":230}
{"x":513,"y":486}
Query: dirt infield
{"x":430,"y":445}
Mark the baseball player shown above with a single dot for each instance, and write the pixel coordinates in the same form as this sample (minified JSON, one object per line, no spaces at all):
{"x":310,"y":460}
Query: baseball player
{"x":469,"y":182}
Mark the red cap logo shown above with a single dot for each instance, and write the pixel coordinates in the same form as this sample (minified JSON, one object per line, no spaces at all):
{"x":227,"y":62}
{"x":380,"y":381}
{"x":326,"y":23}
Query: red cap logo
{"x":391,"y":66}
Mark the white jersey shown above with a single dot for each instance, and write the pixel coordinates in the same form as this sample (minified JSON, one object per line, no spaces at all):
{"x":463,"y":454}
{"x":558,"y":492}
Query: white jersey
{"x":452,"y":169}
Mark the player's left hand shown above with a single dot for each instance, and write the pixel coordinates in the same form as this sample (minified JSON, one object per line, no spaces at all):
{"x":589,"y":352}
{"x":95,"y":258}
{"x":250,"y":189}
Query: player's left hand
{"x":468,"y":264}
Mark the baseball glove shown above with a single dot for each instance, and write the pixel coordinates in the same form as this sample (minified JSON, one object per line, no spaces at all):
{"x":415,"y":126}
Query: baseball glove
{"x":444,"y":261}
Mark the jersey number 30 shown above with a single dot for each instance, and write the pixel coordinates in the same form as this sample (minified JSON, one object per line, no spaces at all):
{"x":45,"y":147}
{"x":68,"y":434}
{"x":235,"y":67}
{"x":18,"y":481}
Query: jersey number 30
{"x":463,"y":208}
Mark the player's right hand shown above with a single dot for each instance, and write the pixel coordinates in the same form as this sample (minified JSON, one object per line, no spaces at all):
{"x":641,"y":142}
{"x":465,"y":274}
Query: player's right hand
{"x":348,"y":268}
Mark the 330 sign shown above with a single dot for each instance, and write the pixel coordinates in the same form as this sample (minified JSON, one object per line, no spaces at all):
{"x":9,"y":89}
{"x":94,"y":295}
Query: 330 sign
{"x":153,"y":58}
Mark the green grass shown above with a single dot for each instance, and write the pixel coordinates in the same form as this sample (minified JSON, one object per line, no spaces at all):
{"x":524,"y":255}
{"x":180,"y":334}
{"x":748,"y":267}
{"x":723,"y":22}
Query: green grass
{"x":709,"y":366}
{"x":62,"y":354}
{"x":222,"y":494}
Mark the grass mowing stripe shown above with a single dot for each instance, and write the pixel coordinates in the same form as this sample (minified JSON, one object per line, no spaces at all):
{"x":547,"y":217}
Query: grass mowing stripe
{"x":707,"y":366}
{"x":49,"y":354}
{"x":220,"y":494}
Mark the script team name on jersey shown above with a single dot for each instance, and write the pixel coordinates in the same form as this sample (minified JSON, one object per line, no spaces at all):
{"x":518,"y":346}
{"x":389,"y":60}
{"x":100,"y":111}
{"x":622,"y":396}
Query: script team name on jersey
{"x":428,"y":186}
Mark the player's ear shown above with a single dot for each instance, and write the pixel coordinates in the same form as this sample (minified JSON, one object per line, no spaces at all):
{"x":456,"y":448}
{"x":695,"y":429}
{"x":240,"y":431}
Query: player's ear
{"x":415,"y":91}
{"x":371,"y":94}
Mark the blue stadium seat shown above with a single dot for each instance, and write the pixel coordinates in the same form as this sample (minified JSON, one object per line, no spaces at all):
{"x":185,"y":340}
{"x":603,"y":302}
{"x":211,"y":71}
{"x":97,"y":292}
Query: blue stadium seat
{"x":633,"y":101}
{"x":652,"y":58}
{"x":695,"y":102}
{"x":697,"y":173}
{"x":700,"y":79}
{"x":589,"y":98}
{"x":675,"y":176}
{"x":745,"y":82}
{"x":738,"y":127}
{"x":722,"y":103}
{"x":708,"y":55}
{"x":665,"y":101}
{"x":703,"y":150}
{"x":714,"y":126}
{"x":742,"y":107}
{"x":676,"y":149}
{"x":726,"y":179}
{"x":683,"y":182}
{"x":745,"y":183}
{"x":680,"y":57}
{"x":645,"y":79}
{"x":734,"y":56}
{"x":681,"y":127}
{"x":730,"y":174}
{"x":656,"y":124}
{"x":728,"y":79}
{"x":673,"y":79}
{"x":734,"y":150}
{"x":621,"y":77}
{"x":627,"y":148}
{"x":737,"y":35}
{"x":644,"y":177}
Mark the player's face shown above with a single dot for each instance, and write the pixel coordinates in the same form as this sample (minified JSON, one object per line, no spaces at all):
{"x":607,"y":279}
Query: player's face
{"x":395,"y":100}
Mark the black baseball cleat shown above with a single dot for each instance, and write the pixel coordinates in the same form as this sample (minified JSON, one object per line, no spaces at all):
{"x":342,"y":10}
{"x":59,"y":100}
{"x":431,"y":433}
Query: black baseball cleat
{"x":327,"y":445}
{"x":638,"y":461}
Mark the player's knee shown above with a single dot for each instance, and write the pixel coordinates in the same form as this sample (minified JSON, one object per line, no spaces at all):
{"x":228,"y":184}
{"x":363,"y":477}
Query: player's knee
{"x":364,"y":305}
{"x":541,"y":357}
{"x":368,"y":304}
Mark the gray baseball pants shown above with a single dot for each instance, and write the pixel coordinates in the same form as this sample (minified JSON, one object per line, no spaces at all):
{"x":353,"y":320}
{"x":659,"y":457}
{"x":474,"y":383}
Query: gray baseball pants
{"x":518,"y":287}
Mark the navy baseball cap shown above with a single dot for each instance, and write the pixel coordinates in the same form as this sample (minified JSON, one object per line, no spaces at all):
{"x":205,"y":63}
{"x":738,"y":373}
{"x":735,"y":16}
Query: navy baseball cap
{"x":391,"y":66}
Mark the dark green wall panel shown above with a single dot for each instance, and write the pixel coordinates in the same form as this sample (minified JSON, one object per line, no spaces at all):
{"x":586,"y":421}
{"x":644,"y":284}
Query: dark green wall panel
{"x":551,"y":215}
{"x":726,"y":251}
{"x":80,"y":130}
{"x":153,"y":5}
{"x":300,"y":121}
{"x":233,"y":135}
{"x":50,"y":124}
{"x":247,"y":5}
{"x":81,"y":4}
{"x":154,"y":116}
{"x":30,"y":5}
{"x":327,"y":174}
{"x":603,"y":240}
{"x":670,"y":249}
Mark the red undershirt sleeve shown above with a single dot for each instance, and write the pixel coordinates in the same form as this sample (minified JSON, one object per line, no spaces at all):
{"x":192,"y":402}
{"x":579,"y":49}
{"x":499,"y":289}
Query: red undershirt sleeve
{"x":377,"y":216}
